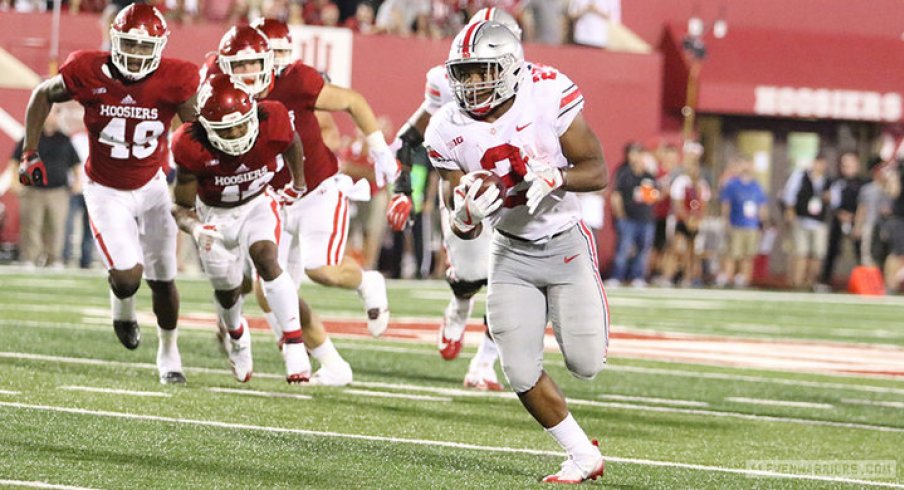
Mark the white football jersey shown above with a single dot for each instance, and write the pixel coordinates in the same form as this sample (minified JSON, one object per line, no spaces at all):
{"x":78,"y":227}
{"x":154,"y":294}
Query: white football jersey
{"x":438,"y":92}
{"x":545,"y":105}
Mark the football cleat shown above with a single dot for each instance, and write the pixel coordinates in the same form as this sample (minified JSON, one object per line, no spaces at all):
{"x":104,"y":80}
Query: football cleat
{"x":373,"y":291}
{"x":128,"y":332}
{"x":572,"y":473}
{"x":298,"y":365}
{"x":482,"y":381}
{"x":239,"y":352}
{"x":172,"y":378}
{"x":338,"y":374}
{"x":448,"y":349}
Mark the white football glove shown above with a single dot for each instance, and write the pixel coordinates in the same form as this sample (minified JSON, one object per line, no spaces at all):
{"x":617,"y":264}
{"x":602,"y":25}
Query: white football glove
{"x":543,"y":180}
{"x":290,"y":194}
{"x":470,"y":210}
{"x":206,"y":236}
{"x":386,"y":167}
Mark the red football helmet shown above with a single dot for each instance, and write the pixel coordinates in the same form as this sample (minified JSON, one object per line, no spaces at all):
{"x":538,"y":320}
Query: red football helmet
{"x":280,"y":38}
{"x":225,"y":104}
{"x":137,"y":38}
{"x":241,"y":46}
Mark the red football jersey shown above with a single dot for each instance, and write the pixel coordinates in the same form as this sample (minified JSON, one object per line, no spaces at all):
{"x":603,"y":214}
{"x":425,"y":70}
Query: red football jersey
{"x":128,"y":122}
{"x":227,"y":180}
{"x":298,"y":87}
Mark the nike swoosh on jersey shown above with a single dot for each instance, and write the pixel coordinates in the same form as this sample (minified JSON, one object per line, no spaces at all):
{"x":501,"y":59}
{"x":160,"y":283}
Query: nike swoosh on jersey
{"x":569,"y":259}
{"x":521,"y":128}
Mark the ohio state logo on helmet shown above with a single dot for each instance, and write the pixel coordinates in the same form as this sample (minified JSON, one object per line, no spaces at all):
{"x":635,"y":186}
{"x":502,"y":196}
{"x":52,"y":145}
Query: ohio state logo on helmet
{"x":245,"y":54}
{"x":484,"y":66}
{"x":137,"y":38}
{"x":280,"y":39}
{"x":228,"y":112}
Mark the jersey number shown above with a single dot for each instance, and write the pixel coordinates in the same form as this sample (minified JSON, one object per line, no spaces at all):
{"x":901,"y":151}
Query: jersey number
{"x":144,"y":138}
{"x":232,"y":193}
{"x":507,"y":160}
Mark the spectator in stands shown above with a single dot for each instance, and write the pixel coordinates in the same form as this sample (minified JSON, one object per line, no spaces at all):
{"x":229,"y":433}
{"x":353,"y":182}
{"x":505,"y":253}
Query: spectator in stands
{"x":668,"y":159}
{"x":546,"y":23}
{"x":894,"y":264}
{"x":400,"y":17}
{"x":591,"y":19}
{"x":632,"y":208}
{"x":743,"y":212}
{"x":805,"y":200}
{"x":843,"y":200}
{"x":44,"y":208}
{"x":363,"y":20}
{"x":873,"y":210}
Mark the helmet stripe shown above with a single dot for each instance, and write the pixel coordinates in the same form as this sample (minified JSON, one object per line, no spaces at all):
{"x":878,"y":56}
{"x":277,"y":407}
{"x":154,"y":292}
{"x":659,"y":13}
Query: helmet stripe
{"x":468,"y":39}
{"x":490,"y":12}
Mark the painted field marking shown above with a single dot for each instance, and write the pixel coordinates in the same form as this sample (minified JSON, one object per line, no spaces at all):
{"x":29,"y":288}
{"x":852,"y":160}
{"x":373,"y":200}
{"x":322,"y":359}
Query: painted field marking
{"x":8,"y":392}
{"x":40,"y":484}
{"x":451,"y":391}
{"x":778,"y":403}
{"x":386,"y":394}
{"x":265,"y":394}
{"x":655,"y":401}
{"x":873,"y":403}
{"x":433,"y":443}
{"x":109,"y":391}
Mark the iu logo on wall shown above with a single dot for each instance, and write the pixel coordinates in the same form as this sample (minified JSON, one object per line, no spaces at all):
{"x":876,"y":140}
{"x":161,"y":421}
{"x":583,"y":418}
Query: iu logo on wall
{"x":328,"y":49}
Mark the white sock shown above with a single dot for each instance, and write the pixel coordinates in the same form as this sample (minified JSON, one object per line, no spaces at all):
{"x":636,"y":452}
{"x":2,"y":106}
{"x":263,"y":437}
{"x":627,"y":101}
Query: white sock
{"x":573,"y":440}
{"x":123,"y":309}
{"x":168,"y":358}
{"x":458,"y":310}
{"x":283,"y":301}
{"x":274,"y":324}
{"x":326,"y":354}
{"x":231,"y":317}
{"x":487,"y":353}
{"x":463,"y":307}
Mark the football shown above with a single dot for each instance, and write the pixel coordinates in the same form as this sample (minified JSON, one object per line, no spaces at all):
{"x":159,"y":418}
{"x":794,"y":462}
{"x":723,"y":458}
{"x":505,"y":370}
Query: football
{"x":487,"y":179}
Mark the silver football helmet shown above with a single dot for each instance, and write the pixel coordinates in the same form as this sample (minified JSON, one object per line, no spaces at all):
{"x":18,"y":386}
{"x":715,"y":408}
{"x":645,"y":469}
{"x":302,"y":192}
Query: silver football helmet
{"x":500,"y":16}
{"x":484,"y":66}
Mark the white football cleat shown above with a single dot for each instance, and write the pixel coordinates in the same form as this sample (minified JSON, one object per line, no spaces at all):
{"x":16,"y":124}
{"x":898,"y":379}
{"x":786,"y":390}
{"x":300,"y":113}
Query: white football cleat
{"x":574,"y":473}
{"x":238,"y":351}
{"x":338,"y":374}
{"x":298,"y":365}
{"x":373,"y":291}
{"x":483,"y":380}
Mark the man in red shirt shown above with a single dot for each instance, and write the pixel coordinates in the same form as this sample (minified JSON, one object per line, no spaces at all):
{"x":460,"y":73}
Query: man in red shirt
{"x":225,"y":162}
{"x":130,"y":95}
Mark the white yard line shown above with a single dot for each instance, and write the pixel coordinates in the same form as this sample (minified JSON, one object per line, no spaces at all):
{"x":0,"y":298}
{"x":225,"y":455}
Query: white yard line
{"x":778,"y":403}
{"x":386,"y":394}
{"x":93,"y":389}
{"x":458,"y":392}
{"x":39,"y":484}
{"x":433,"y":443}
{"x":265,"y":394}
{"x":655,"y":401}
{"x":873,"y":403}
{"x":8,"y":392}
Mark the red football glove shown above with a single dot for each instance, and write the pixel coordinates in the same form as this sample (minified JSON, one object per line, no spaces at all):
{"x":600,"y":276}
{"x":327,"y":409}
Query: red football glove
{"x":398,"y":211}
{"x":32,"y":171}
{"x":290,"y":194}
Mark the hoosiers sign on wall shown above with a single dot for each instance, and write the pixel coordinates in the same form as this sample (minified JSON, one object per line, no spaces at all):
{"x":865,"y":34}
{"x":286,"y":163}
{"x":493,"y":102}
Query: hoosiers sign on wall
{"x":826,"y":103}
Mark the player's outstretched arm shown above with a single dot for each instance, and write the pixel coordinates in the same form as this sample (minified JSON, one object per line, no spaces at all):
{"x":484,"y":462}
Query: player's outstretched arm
{"x":184,"y":194}
{"x":583,"y":151}
{"x":43,"y":97}
{"x":294,"y":157}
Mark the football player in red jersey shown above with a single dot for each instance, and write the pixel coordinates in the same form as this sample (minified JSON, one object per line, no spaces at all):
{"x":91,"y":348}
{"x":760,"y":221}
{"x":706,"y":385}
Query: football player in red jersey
{"x":130,"y":95}
{"x":225,"y":161}
{"x":318,"y":224}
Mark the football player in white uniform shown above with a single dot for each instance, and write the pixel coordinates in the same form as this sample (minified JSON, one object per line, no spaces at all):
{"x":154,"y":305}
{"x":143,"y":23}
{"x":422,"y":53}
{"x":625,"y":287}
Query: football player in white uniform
{"x":524,"y":124}
{"x":468,"y":259}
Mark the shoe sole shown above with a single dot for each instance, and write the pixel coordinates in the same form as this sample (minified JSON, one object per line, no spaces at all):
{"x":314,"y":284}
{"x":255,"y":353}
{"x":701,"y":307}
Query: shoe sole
{"x":128,"y":333}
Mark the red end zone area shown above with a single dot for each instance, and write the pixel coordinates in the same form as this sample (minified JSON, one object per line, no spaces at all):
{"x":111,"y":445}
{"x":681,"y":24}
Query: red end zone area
{"x":772,"y":354}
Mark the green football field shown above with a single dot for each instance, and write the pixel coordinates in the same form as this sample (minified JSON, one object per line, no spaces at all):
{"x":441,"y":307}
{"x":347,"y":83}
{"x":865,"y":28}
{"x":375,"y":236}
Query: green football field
{"x":685,"y":401}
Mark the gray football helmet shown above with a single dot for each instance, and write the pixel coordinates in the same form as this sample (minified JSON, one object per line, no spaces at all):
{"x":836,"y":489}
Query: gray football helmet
{"x":500,"y":16}
{"x":484,"y":66}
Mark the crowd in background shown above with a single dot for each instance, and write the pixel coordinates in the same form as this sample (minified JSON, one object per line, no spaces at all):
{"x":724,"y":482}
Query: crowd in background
{"x":548,"y":21}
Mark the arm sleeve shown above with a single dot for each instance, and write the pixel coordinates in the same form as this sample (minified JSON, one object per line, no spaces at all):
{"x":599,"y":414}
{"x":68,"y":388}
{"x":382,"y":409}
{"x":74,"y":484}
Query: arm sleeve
{"x":307,"y":83}
{"x":436,"y":149}
{"x":433,"y":92}
{"x":190,"y":78}
{"x":281,"y":131}
{"x":72,"y":73}
{"x":571,"y":102}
